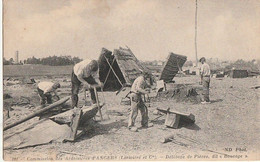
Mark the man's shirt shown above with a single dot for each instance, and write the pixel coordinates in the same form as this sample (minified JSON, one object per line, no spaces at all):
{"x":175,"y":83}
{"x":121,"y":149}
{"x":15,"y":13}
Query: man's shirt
{"x":139,"y":84}
{"x":205,"y":70}
{"x":83,"y":69}
{"x":46,"y":87}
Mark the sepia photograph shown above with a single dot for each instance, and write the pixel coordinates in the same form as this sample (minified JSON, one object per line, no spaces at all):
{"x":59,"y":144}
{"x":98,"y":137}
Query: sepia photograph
{"x":139,"y":80}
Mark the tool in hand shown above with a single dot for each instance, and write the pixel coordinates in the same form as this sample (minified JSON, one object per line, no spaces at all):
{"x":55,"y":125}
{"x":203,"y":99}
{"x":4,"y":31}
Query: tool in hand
{"x":99,"y":109}
{"x":104,"y":101}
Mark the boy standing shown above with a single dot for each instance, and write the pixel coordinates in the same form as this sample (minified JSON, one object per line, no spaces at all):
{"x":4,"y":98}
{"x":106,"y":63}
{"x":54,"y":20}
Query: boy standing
{"x":205,"y":80}
{"x":137,"y":90}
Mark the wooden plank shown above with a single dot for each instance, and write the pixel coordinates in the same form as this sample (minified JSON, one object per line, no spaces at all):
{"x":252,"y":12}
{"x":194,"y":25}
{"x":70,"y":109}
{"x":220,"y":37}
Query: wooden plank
{"x":77,"y":112}
{"x":173,"y":64}
{"x":172,"y":120}
{"x":187,"y":118}
{"x":168,"y":138}
{"x":172,"y":112}
{"x":38,"y":112}
{"x":87,"y":114}
{"x":99,"y":108}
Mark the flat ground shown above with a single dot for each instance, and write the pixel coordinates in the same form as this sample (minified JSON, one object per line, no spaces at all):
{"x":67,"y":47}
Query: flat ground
{"x":35,"y":70}
{"x":231,"y":121}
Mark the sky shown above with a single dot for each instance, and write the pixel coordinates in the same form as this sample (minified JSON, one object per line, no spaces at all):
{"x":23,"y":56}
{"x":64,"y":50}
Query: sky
{"x":227,"y":29}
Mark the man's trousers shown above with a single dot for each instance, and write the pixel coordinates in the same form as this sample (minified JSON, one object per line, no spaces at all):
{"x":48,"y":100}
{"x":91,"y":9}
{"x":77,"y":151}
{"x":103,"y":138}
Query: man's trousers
{"x":137,"y":104}
{"x":76,"y":87}
{"x":205,"y":84}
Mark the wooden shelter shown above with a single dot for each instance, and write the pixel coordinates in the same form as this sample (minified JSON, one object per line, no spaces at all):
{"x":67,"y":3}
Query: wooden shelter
{"x":119,"y":68}
{"x":238,"y":73}
{"x":171,"y":67}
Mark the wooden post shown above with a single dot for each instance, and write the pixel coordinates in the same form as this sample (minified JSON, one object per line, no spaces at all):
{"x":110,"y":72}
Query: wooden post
{"x":172,"y":120}
{"x":77,"y":112}
{"x":99,"y":109}
{"x":58,"y":103}
{"x":104,"y":101}
{"x":109,"y":71}
{"x":113,"y":71}
{"x":85,"y":96}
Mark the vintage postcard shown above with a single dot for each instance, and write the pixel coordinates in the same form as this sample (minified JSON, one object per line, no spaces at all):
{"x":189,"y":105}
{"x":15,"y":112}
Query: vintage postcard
{"x":117,"y":80}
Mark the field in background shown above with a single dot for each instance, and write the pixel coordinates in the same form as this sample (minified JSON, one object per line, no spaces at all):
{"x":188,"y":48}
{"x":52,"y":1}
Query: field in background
{"x":35,"y":70}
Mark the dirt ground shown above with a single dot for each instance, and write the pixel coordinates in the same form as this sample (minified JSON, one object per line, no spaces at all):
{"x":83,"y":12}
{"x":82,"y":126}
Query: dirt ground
{"x":228,"y":128}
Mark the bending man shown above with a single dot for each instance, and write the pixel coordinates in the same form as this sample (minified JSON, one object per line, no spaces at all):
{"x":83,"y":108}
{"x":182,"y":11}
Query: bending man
{"x":46,"y":90}
{"x":87,"y":73}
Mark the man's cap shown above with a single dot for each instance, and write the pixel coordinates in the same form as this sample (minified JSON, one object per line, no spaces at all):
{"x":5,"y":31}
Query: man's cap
{"x":202,"y":58}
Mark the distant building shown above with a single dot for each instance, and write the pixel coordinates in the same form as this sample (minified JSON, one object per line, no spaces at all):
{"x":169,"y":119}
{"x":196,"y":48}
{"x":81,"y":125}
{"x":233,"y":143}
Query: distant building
{"x":238,"y":73}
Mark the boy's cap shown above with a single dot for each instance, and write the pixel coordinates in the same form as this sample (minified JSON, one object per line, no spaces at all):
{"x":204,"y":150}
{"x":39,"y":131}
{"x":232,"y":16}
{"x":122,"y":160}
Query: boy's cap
{"x":202,"y":58}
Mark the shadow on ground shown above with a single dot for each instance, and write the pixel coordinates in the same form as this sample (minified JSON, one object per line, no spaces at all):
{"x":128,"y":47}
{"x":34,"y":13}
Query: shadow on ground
{"x":99,"y":129}
{"x":217,"y":100}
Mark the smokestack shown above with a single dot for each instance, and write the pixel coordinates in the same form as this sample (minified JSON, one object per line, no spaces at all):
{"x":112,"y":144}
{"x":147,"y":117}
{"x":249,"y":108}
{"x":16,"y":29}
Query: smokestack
{"x":16,"y":57}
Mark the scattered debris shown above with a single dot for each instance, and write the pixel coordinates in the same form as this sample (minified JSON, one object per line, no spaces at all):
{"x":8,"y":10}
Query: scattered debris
{"x":255,"y":87}
{"x":156,"y":112}
{"x":58,"y":103}
{"x":181,"y":93}
{"x":168,"y":138}
{"x":188,"y":142}
{"x":6,"y":96}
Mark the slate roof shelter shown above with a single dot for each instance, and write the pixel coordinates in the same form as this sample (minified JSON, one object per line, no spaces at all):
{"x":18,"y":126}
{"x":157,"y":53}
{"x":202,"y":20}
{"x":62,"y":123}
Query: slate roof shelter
{"x":171,"y":67}
{"x":119,"y":68}
{"x":238,"y":73}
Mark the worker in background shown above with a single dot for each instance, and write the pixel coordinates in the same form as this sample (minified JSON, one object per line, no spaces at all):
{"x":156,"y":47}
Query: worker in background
{"x":205,"y":80}
{"x":46,"y":91}
{"x":137,"y":90}
{"x":85,"y":72}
